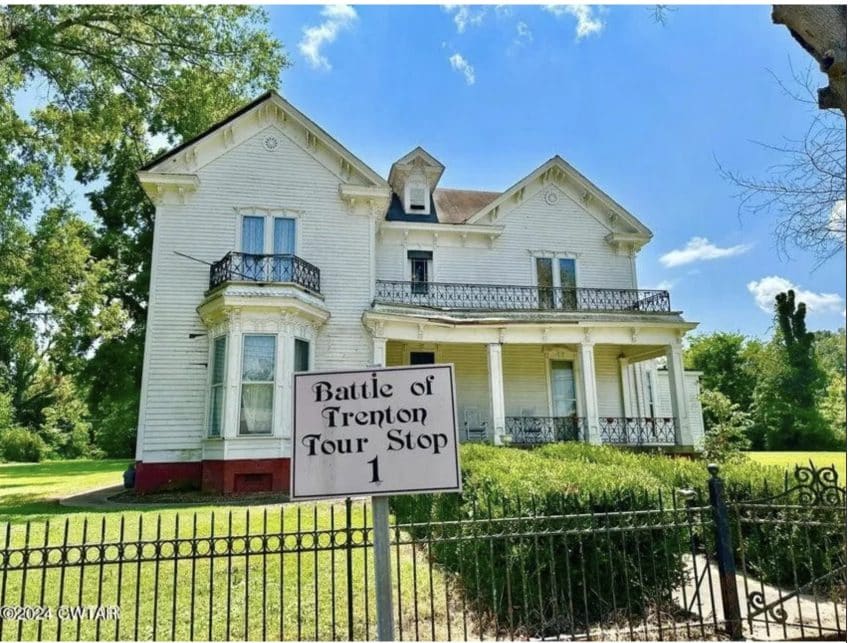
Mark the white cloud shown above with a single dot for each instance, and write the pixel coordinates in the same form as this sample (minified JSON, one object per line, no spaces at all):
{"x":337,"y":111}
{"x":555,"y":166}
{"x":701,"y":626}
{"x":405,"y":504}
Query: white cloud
{"x":701,"y":249}
{"x":465,"y":16}
{"x":459,"y":63}
{"x":588,"y":21}
{"x":523,"y":33}
{"x":337,"y":17}
{"x":764,"y":292}
{"x":837,"y":225}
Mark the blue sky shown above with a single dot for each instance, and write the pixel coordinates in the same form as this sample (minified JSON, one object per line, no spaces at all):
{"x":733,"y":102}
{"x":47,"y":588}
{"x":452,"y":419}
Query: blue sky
{"x":641,"y":109}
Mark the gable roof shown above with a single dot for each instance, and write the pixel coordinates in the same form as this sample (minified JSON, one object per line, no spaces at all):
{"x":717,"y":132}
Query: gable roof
{"x":273,"y":98}
{"x":558,"y":164}
{"x":457,"y":206}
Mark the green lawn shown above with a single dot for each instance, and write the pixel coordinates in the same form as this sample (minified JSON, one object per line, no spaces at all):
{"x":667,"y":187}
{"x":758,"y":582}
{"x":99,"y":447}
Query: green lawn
{"x":788,"y":459}
{"x":29,"y":491}
{"x":303,"y":587}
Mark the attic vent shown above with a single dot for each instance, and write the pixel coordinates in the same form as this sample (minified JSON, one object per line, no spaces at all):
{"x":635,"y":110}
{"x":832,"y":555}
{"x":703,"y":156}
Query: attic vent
{"x":418,"y":199}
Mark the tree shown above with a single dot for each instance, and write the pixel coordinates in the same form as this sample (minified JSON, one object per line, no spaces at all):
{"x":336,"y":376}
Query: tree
{"x":111,"y":80}
{"x":726,"y":427}
{"x":727,"y":362}
{"x":822,"y":31}
{"x":785,"y":404}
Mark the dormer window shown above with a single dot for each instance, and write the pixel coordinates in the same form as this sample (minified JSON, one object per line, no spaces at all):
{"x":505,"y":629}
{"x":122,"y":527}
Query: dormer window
{"x":417,"y":199}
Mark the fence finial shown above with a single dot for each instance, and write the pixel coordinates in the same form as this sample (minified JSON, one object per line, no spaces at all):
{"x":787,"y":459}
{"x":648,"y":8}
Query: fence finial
{"x":714,"y":469}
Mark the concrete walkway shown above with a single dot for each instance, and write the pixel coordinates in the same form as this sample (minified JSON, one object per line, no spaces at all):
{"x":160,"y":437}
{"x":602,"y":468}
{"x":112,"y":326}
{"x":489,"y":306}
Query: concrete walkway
{"x":95,"y":499}
{"x":807,"y":616}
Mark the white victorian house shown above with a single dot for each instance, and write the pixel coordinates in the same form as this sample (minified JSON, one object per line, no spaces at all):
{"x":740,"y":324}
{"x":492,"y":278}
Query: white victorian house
{"x":277,"y":250}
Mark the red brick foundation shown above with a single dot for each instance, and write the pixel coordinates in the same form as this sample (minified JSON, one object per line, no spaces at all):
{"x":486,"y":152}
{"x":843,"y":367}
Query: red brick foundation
{"x":167,"y":476}
{"x":245,"y":476}
{"x":214,"y":476}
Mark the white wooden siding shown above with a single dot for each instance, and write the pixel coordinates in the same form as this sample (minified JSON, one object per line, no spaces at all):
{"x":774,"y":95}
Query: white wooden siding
{"x":529,"y":227}
{"x":338,"y":242}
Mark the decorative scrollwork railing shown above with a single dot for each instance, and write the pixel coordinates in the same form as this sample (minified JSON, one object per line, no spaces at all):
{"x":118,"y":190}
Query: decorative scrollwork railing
{"x":540,"y":429}
{"x":280,"y":268}
{"x":637,"y":431}
{"x":457,"y":296}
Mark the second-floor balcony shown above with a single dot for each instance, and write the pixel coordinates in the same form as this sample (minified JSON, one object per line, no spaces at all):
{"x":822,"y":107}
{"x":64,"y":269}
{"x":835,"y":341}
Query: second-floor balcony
{"x":278,"y":268}
{"x":499,"y":297}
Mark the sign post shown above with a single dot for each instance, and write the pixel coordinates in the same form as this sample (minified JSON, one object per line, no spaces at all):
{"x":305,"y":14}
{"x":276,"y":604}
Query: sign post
{"x":377,"y":432}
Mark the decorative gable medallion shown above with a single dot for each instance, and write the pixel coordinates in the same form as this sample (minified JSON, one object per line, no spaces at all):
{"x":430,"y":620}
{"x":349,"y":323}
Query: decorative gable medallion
{"x":551,"y":196}
{"x":271,"y":143}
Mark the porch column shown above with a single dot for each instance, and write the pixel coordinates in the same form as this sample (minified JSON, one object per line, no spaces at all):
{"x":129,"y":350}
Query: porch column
{"x":626,"y":384}
{"x":588,"y":381}
{"x":379,"y":351}
{"x":497,"y":391}
{"x":678,"y":396}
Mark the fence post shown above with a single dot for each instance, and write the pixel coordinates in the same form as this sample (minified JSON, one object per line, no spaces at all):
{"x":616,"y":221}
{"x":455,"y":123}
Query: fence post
{"x":725,"y":556}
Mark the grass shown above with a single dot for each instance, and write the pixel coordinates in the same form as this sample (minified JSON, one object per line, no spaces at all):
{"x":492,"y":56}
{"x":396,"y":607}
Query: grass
{"x":788,"y":460}
{"x":299,"y":592}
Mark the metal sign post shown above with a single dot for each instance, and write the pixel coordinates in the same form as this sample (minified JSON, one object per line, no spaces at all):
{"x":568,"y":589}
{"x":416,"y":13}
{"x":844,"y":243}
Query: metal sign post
{"x":376,"y":432}
{"x":383,"y":575}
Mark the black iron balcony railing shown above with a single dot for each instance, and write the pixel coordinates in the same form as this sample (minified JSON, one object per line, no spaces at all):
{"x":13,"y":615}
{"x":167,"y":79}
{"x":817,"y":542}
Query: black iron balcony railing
{"x":637,"y":431}
{"x":457,"y":296}
{"x":539,"y":430}
{"x":238,"y":266}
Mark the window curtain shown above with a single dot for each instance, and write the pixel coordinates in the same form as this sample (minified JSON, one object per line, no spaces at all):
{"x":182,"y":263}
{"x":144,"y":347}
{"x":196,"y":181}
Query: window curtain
{"x":258,"y":366}
{"x":253,"y":234}
{"x":284,"y":244}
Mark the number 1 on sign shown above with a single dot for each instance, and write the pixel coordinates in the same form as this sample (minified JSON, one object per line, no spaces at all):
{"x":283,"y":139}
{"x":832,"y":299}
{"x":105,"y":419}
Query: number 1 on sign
{"x":374,"y":463}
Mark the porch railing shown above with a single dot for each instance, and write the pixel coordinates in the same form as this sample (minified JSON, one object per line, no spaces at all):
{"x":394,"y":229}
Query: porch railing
{"x":459,"y":296}
{"x":541,"y":429}
{"x":279,"y":268}
{"x":637,"y":431}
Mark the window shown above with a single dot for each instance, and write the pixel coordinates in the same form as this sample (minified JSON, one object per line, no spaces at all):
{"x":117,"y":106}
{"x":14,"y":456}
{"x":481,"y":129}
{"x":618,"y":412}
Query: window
{"x":556,"y":282}
{"x":302,"y":355}
{"x":420,"y":261}
{"x":545,"y":291}
{"x":217,"y":386}
{"x":418,"y":199}
{"x":258,"y":366}
{"x":253,"y":243}
{"x":283,"y":244}
{"x":421,"y":357}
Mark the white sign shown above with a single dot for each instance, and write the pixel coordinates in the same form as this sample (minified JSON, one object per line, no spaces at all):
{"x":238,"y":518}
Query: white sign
{"x":379,"y":431}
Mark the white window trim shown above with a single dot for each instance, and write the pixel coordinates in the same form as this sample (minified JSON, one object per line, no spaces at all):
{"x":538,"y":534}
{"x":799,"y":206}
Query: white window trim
{"x":269,"y":214}
{"x":273,"y":383}
{"x":564,"y":355}
{"x":432,"y":267}
{"x":207,"y":408}
{"x":556,"y":274}
{"x":421,"y":184}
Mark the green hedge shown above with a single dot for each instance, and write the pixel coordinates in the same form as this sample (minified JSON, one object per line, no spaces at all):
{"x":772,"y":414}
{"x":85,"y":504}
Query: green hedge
{"x":537,"y":578}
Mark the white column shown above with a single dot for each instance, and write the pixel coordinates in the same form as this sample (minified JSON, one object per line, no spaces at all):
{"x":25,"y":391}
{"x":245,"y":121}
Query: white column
{"x":285,"y":371}
{"x":626,"y":385}
{"x":233,"y":379}
{"x":379,"y":351}
{"x":678,"y":395}
{"x":497,"y":391}
{"x":588,"y":380}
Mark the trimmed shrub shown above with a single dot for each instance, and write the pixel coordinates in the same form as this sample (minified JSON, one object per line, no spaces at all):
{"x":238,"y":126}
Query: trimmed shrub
{"x":584,"y":547}
{"x":19,"y":445}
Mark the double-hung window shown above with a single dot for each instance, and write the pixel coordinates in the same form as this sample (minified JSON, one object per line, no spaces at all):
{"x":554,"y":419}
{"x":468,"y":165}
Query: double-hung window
{"x":258,"y":371}
{"x":302,"y":355}
{"x":420,"y":264}
{"x":268,"y":235}
{"x":217,"y":386}
{"x":556,"y":282}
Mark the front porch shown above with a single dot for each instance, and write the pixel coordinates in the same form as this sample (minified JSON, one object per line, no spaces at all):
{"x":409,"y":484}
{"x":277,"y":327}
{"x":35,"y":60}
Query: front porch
{"x":528,"y":394}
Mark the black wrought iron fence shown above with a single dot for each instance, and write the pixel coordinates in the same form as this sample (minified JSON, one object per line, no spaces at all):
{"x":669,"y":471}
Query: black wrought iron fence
{"x":637,"y":431}
{"x":280,"y":268}
{"x":459,"y":296}
{"x":524,"y":430}
{"x":672,"y":565}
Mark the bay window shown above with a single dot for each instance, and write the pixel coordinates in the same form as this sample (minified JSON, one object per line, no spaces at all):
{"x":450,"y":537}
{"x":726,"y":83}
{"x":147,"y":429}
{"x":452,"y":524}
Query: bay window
{"x":217,"y":386}
{"x":257,"y":395}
